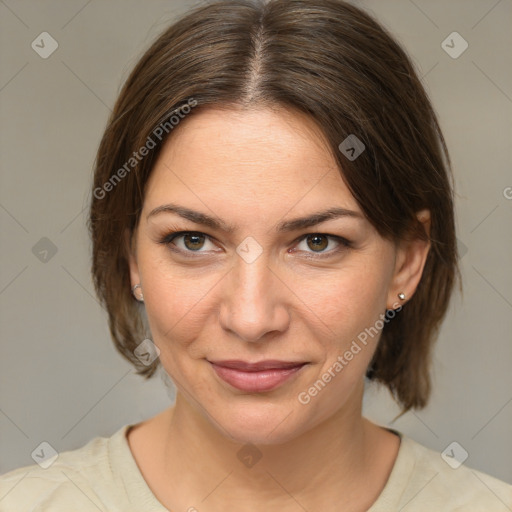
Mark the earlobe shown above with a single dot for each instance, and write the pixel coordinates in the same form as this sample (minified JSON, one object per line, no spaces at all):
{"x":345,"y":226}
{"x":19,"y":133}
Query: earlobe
{"x":410,"y":262}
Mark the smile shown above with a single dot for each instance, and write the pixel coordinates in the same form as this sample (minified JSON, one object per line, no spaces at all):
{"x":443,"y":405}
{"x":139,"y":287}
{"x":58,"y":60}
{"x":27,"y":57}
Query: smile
{"x":256,"y":377}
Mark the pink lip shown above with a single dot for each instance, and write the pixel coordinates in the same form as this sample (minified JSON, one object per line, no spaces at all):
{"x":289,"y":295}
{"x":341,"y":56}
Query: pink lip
{"x":256,"y":377}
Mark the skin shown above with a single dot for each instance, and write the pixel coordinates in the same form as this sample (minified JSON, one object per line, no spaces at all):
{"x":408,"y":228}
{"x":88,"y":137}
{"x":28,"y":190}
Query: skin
{"x":254,"y":169}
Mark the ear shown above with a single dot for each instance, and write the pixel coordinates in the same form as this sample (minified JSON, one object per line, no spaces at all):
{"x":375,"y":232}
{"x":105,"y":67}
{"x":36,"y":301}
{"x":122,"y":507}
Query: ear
{"x":130,"y":246}
{"x":409,"y":263}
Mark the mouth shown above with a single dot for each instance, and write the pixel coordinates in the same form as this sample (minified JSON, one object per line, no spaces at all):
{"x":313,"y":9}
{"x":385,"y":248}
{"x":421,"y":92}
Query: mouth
{"x":256,"y":377}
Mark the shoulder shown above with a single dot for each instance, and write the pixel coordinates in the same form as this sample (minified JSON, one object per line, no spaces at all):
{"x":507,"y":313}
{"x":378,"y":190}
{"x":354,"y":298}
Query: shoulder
{"x":77,"y":480}
{"x":441,"y":482}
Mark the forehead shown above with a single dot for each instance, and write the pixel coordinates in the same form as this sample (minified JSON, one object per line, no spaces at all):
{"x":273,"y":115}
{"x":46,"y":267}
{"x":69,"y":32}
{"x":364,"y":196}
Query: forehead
{"x":265,"y":160}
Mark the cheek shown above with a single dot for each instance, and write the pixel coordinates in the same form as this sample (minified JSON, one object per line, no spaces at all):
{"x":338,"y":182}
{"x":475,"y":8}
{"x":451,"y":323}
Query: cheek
{"x":352,"y":309}
{"x":350,"y":302}
{"x":177,"y":304}
{"x":346,"y":351}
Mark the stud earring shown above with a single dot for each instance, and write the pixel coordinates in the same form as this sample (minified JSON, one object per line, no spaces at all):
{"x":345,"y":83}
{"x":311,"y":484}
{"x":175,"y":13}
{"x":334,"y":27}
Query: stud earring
{"x":401,"y":296}
{"x":140,"y":298}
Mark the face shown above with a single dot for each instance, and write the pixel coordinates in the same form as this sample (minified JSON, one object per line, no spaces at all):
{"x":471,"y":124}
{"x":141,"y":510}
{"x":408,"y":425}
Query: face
{"x":230,"y":277}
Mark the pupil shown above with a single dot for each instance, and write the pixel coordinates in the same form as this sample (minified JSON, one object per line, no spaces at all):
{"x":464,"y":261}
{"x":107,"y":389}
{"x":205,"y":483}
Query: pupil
{"x":196,"y":240}
{"x":317,"y":241}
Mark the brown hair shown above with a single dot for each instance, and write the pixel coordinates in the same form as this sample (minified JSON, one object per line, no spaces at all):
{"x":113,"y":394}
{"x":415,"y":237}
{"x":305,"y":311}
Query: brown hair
{"x":335,"y":63}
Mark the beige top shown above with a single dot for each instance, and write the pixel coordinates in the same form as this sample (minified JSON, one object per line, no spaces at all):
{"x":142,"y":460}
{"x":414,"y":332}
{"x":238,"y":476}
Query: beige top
{"x":103,"y":476}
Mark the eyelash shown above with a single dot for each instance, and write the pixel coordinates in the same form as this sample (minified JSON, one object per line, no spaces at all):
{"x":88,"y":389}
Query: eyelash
{"x":170,"y":237}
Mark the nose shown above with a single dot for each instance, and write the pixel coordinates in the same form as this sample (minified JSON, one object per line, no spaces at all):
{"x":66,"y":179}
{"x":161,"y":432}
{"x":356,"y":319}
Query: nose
{"x":254,"y":303}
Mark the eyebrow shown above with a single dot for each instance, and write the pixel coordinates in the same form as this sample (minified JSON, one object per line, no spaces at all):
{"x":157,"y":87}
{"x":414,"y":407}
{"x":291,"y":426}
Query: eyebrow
{"x":283,"y":227}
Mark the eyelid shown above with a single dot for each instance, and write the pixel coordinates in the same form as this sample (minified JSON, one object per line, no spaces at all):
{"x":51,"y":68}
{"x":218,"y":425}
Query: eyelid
{"x":342,"y":241}
{"x":171,"y":236}
{"x":338,"y":238}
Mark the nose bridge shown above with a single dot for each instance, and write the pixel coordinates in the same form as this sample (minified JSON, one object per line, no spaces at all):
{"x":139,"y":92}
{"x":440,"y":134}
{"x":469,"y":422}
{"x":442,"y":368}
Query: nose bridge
{"x":252,"y":279}
{"x":253,"y":304}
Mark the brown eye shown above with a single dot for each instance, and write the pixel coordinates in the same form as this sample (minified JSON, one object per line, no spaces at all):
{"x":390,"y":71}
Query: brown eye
{"x":322,"y":245}
{"x":317,"y":242}
{"x":193,"y":241}
{"x":188,"y":242}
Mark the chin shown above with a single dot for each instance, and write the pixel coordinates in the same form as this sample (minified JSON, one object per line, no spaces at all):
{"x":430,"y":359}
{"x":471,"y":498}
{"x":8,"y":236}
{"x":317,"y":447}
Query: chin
{"x":268,"y":424}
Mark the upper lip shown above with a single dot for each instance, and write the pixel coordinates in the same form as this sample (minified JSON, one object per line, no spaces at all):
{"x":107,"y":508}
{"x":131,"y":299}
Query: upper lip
{"x":269,"y":364}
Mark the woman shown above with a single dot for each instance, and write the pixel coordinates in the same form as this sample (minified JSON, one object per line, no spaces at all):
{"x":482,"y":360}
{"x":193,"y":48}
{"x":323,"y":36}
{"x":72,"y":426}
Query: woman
{"x":272,"y":223}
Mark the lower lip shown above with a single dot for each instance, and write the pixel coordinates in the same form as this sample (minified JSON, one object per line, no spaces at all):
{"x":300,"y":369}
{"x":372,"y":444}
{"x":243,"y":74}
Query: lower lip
{"x":255,"y":382}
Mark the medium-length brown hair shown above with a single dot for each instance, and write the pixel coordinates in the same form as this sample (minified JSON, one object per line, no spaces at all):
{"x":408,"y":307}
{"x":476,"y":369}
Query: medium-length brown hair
{"x":325,"y":58}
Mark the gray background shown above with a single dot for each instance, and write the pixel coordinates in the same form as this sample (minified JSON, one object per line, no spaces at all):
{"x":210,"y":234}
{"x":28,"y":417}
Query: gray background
{"x":61,"y":380}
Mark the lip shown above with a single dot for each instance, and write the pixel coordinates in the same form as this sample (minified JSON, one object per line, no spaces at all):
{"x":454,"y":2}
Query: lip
{"x":256,"y":377}
{"x":268,"y":364}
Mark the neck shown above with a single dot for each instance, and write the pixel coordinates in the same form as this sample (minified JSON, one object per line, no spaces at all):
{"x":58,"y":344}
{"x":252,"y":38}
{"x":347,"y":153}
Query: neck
{"x":325,"y":468}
